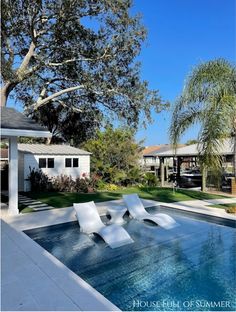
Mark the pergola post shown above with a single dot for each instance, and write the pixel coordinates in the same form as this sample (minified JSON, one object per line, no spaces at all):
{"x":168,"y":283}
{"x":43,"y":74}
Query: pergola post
{"x":13,"y":176}
{"x":162,"y":171}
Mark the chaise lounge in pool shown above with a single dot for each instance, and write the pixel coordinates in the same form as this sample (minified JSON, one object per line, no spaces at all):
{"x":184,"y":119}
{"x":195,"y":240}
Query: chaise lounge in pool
{"x":137,"y":211}
{"x":90,"y":222}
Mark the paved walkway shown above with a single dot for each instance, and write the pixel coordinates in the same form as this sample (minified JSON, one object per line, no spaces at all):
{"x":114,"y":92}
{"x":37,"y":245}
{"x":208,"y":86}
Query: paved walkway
{"x":36,"y":205}
{"x":34,"y":280}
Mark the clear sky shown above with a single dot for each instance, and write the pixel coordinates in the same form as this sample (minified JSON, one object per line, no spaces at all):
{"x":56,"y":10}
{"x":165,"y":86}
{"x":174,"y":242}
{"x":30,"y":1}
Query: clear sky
{"x":181,"y":34}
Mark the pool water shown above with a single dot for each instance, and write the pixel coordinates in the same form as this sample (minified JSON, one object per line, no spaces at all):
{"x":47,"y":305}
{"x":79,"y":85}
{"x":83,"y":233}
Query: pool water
{"x":190,"y":267}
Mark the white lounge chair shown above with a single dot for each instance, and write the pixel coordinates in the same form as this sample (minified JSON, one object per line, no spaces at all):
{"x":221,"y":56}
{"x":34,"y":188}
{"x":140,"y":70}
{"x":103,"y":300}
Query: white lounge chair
{"x":137,"y":211}
{"x":90,"y":222}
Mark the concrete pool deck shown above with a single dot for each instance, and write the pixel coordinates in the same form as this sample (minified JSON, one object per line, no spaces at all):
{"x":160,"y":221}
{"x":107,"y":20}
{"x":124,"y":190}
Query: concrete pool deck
{"x":32,"y":279}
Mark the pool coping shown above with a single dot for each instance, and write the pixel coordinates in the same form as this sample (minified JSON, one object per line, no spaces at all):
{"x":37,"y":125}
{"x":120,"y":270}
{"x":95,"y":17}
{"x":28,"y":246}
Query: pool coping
{"x":33,"y":220}
{"x":79,"y":292}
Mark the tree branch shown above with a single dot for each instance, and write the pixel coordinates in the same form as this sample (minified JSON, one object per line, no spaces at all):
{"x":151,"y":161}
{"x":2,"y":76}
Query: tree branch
{"x":21,"y":70}
{"x":75,"y":109}
{"x":8,"y":45}
{"x":105,"y":55}
{"x":42,"y":102}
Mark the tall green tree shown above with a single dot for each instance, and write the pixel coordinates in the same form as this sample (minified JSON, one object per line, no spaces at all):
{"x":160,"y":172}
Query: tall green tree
{"x":67,"y":125}
{"x":79,"y":54}
{"x":115,"y":156}
{"x":208,"y":98}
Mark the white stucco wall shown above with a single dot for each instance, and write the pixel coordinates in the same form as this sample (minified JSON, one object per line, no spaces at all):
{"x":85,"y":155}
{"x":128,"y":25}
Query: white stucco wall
{"x":32,"y":161}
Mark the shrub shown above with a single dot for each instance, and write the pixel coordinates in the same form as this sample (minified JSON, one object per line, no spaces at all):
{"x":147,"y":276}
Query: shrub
{"x":101,"y":185}
{"x":81,"y":185}
{"x":231,"y":209}
{"x":150,"y":179}
{"x":63,"y":183}
{"x":39,"y":181}
{"x":111,"y":187}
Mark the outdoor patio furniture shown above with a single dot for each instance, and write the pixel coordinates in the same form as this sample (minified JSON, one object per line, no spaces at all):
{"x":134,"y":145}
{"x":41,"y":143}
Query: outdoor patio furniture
{"x":90,"y":222}
{"x":137,"y":211}
{"x":117,"y":213}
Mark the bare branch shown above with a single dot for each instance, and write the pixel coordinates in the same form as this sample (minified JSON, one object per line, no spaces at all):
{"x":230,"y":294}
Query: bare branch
{"x":105,"y":55}
{"x":41,"y":102}
{"x":75,"y":109}
{"x":21,"y":70}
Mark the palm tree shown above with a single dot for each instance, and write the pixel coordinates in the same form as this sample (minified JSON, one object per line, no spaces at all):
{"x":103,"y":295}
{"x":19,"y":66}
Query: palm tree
{"x":208,"y":98}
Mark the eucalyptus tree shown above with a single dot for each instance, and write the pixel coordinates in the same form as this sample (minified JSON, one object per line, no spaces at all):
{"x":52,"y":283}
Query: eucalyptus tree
{"x":67,"y":125}
{"x":80,"y":54}
{"x":208,"y":98}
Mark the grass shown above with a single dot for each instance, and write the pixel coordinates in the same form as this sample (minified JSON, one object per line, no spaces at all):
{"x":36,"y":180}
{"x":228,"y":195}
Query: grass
{"x":60,"y":199}
{"x":223,"y":206}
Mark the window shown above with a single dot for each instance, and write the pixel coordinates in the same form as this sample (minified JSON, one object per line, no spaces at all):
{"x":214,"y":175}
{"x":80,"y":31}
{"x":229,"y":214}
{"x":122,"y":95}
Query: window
{"x":75,"y":162}
{"x":50,"y":162}
{"x":42,"y":162}
{"x":46,"y":162}
{"x":68,"y":162}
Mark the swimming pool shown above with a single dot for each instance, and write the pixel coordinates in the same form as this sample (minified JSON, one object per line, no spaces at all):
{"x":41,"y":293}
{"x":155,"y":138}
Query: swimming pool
{"x":190,"y":267}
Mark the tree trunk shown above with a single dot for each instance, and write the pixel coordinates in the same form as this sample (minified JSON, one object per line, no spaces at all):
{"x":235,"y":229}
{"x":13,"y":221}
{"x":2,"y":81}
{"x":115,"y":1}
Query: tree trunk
{"x":204,"y":176}
{"x":5,"y":91}
{"x":49,"y":140}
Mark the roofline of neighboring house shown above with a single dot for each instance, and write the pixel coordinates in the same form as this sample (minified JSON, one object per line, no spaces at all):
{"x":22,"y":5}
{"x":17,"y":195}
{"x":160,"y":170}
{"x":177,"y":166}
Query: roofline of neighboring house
{"x":59,"y":154}
{"x":5,"y":132}
{"x":190,"y":154}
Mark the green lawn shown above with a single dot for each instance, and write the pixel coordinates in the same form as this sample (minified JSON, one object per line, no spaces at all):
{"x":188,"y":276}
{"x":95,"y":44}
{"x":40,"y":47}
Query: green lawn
{"x":60,"y":200}
{"x":223,"y":206}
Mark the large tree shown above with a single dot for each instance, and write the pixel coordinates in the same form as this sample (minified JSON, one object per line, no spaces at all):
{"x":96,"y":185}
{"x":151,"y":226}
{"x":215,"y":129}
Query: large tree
{"x":67,"y":125}
{"x":209,"y":98}
{"x":115,"y":155}
{"x":76,"y":53}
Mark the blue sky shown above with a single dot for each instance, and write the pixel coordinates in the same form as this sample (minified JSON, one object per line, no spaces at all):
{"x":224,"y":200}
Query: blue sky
{"x":181,"y":34}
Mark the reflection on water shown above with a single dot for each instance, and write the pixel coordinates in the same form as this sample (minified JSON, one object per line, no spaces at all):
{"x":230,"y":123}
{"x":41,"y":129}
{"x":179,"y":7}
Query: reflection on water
{"x":191,"y":267}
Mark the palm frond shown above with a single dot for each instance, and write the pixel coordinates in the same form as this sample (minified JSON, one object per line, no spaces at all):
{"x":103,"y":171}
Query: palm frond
{"x":209,"y":96}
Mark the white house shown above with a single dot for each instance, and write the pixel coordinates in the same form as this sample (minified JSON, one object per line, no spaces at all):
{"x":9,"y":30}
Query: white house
{"x":53,"y":160}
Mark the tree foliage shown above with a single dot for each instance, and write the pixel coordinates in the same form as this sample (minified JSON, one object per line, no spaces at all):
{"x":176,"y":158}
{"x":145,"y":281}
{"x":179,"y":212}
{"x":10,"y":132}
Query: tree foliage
{"x":115,"y":156}
{"x":191,"y":141}
{"x":67,"y":125}
{"x":209,"y":97}
{"x":80,"y":54}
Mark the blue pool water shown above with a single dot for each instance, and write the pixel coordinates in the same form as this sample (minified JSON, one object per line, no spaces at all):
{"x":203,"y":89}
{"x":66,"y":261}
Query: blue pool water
{"x":190,"y":267}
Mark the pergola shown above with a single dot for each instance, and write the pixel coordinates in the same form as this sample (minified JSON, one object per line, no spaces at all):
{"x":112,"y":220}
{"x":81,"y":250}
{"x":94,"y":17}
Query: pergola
{"x":189,"y":153}
{"x":13,"y":125}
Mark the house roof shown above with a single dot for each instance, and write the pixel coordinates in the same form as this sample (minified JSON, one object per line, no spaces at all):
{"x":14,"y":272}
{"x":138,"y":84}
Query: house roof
{"x":156,"y":150}
{"x":193,"y":150}
{"x":14,"y":123}
{"x":43,"y":149}
{"x":150,"y":149}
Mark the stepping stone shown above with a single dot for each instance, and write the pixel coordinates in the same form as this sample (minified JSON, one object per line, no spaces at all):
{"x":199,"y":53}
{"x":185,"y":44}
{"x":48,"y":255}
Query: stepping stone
{"x":37,"y":205}
{"x":29,"y":201}
{"x":24,"y":198}
{"x":43,"y":208}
